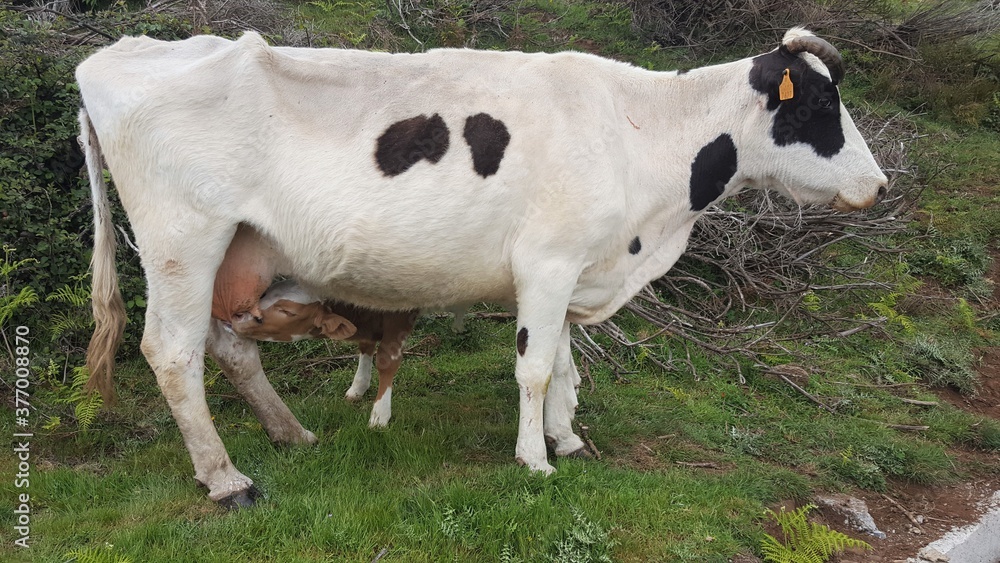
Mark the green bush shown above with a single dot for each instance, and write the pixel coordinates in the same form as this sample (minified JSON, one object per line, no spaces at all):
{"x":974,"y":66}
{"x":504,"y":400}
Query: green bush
{"x":45,"y":208}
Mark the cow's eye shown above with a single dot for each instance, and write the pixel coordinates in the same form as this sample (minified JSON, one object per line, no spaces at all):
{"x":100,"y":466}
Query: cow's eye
{"x":825,"y":103}
{"x":288,"y":313}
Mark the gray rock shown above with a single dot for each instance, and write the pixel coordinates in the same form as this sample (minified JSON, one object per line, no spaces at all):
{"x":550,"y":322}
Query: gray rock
{"x":854,"y":510}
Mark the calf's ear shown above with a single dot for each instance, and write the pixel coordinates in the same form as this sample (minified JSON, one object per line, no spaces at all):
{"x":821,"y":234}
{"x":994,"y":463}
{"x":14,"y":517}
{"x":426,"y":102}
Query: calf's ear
{"x":336,"y":327}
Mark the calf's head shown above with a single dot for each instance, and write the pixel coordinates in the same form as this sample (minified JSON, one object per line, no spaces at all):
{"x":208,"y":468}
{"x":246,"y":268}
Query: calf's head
{"x":802,"y":142}
{"x":286,"y":313}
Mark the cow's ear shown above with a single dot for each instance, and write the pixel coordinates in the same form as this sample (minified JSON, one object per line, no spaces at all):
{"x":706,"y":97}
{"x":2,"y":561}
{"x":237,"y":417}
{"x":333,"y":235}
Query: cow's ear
{"x":336,"y":327}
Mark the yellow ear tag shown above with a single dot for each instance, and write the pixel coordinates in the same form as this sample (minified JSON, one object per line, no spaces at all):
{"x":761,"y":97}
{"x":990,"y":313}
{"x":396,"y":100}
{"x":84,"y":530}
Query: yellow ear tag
{"x":785,"y":90}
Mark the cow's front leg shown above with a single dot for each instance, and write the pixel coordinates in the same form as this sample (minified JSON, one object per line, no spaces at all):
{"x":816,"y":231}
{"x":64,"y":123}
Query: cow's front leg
{"x":180,"y":272}
{"x":239,"y":359}
{"x":363,"y":376}
{"x":543,"y":292}
{"x":561,"y":402}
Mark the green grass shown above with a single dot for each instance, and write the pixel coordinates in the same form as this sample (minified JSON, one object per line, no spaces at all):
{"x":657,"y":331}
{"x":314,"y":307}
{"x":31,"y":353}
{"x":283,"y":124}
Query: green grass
{"x":440,"y":484}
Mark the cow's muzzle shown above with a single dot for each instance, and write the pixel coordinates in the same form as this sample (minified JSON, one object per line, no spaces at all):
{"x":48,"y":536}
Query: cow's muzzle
{"x":840,"y":203}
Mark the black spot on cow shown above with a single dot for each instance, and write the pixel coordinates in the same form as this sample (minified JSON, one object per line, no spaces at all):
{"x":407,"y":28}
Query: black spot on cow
{"x":406,"y":142}
{"x":635,"y":246}
{"x":522,"y":340}
{"x":488,"y":138}
{"x":713,"y":167}
{"x":812,"y":115}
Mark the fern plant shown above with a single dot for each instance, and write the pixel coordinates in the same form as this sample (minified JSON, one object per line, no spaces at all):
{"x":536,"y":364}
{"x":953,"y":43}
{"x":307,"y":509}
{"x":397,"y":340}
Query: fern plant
{"x":886,"y":307}
{"x":77,"y":318}
{"x":97,"y":554}
{"x":11,"y":302}
{"x":583,"y":542}
{"x":85,"y":405}
{"x":804,"y":541}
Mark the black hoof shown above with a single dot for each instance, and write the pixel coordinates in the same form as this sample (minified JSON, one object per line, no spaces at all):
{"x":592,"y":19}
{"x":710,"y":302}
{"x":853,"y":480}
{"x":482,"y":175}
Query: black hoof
{"x":550,"y":445}
{"x":582,"y":453}
{"x":241,"y":499}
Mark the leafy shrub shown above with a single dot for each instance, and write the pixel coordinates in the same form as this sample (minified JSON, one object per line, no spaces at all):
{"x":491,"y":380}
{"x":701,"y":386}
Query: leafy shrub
{"x":43,"y":201}
{"x":45,"y":206}
{"x":12,"y":301}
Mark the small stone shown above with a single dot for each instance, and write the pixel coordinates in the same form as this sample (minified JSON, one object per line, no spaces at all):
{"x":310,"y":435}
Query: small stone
{"x":933,"y":555}
{"x":916,"y":530}
{"x":854,"y":510}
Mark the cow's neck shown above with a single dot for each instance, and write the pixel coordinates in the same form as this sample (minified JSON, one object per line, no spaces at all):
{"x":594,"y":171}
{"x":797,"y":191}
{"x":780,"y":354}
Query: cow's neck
{"x":669,"y":120}
{"x":690,"y":116}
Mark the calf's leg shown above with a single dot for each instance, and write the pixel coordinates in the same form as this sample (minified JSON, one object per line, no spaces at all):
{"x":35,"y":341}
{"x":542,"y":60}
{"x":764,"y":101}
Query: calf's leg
{"x":239,"y":359}
{"x":396,"y":327}
{"x":362,"y":377}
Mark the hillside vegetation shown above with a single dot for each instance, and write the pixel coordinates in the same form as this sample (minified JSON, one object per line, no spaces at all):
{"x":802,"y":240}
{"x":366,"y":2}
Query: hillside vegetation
{"x":790,"y":352}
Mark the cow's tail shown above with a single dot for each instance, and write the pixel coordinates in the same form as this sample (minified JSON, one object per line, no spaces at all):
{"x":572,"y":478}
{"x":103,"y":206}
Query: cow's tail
{"x":109,"y":309}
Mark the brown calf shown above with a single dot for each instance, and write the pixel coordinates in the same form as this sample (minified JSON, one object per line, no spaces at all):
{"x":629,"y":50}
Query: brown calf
{"x":286,"y":312}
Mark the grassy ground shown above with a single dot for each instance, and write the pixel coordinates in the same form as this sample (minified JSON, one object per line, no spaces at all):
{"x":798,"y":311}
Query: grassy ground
{"x":688,"y":466}
{"x":439,"y":483}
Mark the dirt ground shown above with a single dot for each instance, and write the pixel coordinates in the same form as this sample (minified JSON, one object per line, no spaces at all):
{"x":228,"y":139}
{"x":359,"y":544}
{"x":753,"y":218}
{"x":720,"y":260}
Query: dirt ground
{"x":937,"y":508}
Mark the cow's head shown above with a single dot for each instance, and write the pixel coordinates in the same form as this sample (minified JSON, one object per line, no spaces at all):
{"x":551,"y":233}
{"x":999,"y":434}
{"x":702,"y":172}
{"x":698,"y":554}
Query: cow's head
{"x":802,"y":141}
{"x":287,"y":313}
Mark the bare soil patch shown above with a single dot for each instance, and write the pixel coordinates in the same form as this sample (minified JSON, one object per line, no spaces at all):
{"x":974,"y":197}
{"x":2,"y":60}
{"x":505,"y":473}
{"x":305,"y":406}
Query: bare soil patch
{"x":938,"y":509}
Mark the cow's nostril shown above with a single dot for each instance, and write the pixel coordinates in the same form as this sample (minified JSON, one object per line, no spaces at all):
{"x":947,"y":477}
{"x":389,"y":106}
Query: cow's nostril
{"x":260,"y":320}
{"x":881,"y":192}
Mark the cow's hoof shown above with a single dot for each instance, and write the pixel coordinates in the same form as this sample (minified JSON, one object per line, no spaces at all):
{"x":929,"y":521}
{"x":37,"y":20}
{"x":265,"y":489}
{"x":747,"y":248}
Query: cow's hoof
{"x":582,"y":453}
{"x":544,"y":468}
{"x":300,"y":437}
{"x":240,"y":499}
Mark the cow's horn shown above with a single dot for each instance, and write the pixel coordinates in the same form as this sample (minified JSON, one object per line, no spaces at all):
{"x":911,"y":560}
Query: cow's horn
{"x":823,"y":50}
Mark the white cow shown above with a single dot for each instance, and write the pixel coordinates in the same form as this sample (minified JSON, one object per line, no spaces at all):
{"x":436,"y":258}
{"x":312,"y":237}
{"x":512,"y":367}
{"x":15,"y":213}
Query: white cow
{"x":559,"y":183}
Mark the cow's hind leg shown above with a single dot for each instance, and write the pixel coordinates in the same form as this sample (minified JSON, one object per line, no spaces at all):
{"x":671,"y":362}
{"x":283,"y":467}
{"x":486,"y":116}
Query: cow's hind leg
{"x":180,"y":271}
{"x":239,"y":359}
{"x":561,"y":401}
{"x":363,"y":376}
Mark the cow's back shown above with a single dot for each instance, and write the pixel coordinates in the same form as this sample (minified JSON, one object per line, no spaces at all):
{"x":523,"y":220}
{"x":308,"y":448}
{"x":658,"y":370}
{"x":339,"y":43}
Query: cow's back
{"x":286,"y":139}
